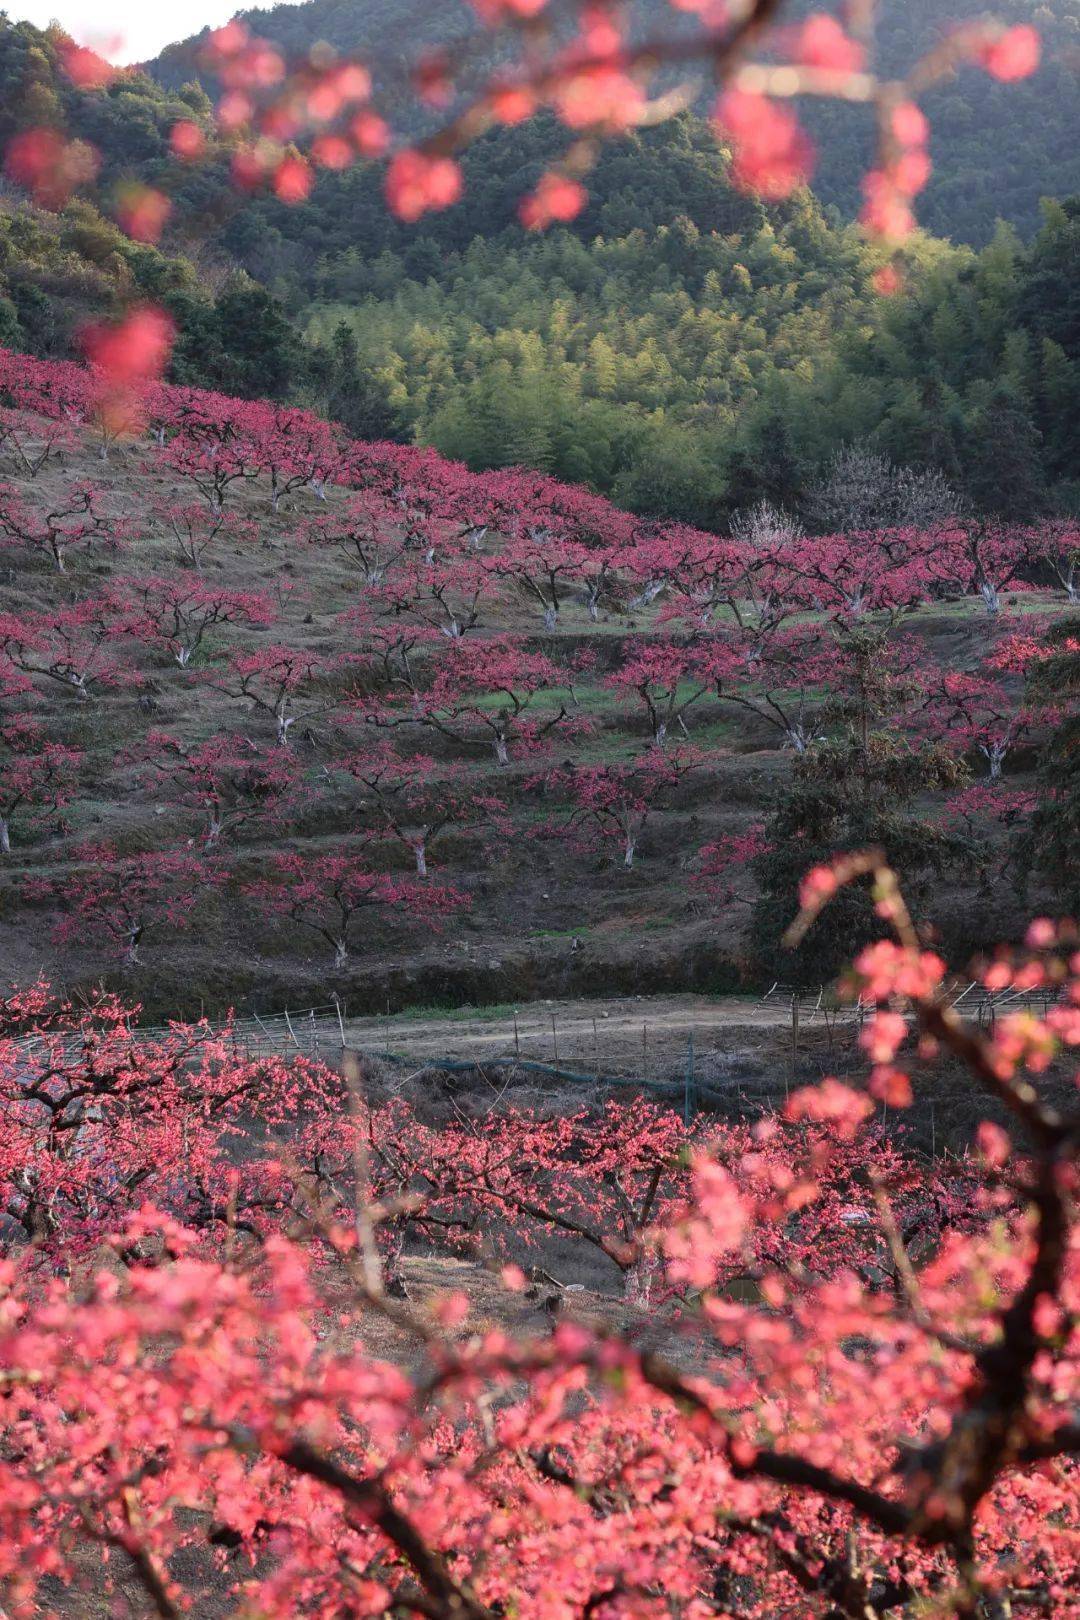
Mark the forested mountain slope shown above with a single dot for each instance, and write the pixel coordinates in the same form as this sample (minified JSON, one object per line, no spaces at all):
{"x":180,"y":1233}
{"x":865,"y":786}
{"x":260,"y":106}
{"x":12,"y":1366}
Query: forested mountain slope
{"x":682,"y":346}
{"x":692,"y":373}
{"x":997,"y":149}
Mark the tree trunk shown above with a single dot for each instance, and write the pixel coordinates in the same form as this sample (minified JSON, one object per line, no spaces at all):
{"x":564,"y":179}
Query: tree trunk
{"x":502,"y":754}
{"x":649,"y":594}
{"x":5,"y":836}
{"x":638,"y":1280}
{"x":995,"y":754}
{"x":990,"y":596}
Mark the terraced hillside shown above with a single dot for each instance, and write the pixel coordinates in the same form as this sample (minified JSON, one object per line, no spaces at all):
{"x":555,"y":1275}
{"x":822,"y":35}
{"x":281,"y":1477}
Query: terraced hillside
{"x":299,"y":716}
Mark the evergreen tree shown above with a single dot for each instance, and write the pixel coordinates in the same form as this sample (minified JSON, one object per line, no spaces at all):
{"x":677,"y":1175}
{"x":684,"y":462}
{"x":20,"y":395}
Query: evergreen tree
{"x":1052,"y":845}
{"x":1004,"y":471}
{"x":856,"y":791}
{"x":352,"y":394}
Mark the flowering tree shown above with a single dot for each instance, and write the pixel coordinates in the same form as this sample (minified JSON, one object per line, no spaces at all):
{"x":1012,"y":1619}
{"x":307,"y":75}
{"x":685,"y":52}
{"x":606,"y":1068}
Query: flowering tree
{"x":58,"y":390}
{"x":977,"y":711}
{"x":76,"y":520}
{"x":863,"y":492}
{"x":613,"y":801}
{"x":726,"y":860}
{"x":782,"y":677}
{"x":211,"y":454}
{"x":38,"y":777}
{"x":856,"y":572}
{"x":97,"y":1120}
{"x":1049,"y":657}
{"x":546,"y":565}
{"x":283,"y":682}
{"x":1055,"y":544}
{"x":805,"y":681}
{"x":76,"y":646}
{"x":197,"y":530}
{"x":445,"y":595}
{"x":367,"y":529}
{"x":856,"y":1397}
{"x":178,"y":612}
{"x":226,"y":780}
{"x":704,"y":573}
{"x":298,"y":450}
{"x":483,"y":690}
{"x":330,"y":895}
{"x":979,"y":558}
{"x":395,"y":651}
{"x":666,"y":678}
{"x":32,"y":441}
{"x":416,"y":801}
{"x":117,"y":901}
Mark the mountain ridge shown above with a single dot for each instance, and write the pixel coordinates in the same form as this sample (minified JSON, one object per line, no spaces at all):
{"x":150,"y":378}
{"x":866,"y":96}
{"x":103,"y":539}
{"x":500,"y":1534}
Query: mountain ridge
{"x":1034,"y":147}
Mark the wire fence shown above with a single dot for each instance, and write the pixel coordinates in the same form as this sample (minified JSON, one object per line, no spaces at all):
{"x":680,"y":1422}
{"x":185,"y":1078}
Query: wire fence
{"x":973,"y":1000}
{"x":323,"y":1034}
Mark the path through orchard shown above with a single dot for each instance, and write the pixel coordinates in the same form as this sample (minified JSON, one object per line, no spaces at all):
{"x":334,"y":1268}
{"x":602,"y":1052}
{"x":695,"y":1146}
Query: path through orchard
{"x":646,"y":1036}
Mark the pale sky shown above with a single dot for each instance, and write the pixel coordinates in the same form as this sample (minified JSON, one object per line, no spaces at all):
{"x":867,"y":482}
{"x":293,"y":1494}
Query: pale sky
{"x":125,"y":30}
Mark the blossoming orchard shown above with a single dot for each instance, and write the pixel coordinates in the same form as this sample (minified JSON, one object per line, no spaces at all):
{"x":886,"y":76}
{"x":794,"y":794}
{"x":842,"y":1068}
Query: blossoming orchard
{"x":289,"y":1331}
{"x":857,"y":1392}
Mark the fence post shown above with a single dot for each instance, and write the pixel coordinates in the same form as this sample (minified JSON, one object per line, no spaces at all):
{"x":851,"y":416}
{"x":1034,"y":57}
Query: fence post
{"x":340,"y":1023}
{"x":292,"y":1032}
{"x":689,"y":1099}
{"x":645,"y":1054}
{"x":794,"y":1038}
{"x":555,"y":1039}
{"x":517,"y":1037}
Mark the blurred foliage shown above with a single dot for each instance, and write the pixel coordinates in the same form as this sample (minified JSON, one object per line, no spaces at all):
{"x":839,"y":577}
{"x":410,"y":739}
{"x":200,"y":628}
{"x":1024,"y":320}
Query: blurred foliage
{"x":998,"y":149}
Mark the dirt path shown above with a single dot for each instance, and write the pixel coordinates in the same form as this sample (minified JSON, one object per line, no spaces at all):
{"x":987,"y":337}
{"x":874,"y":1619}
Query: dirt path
{"x":639,"y":1034}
